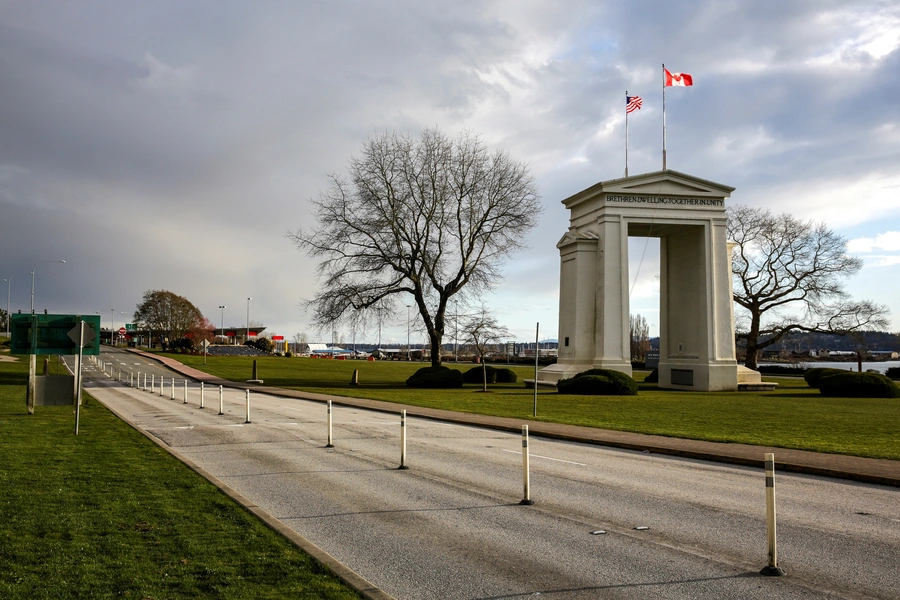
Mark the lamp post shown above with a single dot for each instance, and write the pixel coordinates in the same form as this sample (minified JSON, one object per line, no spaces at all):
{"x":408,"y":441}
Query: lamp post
{"x":247,"y":335}
{"x":408,"y":349}
{"x":8,"y":281}
{"x":32,"y":278}
{"x":223,"y":307}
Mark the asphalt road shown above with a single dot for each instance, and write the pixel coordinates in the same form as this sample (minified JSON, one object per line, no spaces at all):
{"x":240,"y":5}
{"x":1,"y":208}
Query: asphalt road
{"x":451,"y":525}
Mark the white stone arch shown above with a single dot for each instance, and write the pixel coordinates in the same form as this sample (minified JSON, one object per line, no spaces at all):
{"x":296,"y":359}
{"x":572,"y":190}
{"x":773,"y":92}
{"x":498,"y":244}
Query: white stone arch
{"x":696,"y":312}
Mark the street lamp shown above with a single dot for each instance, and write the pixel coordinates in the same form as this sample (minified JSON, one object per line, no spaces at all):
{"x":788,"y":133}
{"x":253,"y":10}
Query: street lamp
{"x":247,"y":334}
{"x":223,"y":307}
{"x":8,"y":281}
{"x":408,"y":349}
{"x":32,"y":278}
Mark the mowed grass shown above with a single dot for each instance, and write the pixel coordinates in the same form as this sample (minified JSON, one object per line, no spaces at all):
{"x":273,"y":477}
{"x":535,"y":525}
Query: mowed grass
{"x":793,"y":416}
{"x":108,"y":514}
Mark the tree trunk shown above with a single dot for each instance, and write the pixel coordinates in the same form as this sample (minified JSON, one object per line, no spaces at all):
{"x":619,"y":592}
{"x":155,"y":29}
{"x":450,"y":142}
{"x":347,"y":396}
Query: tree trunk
{"x":435,"y":338}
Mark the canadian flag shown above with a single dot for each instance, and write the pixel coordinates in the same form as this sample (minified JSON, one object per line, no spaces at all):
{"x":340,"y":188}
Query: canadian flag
{"x":678,"y":79}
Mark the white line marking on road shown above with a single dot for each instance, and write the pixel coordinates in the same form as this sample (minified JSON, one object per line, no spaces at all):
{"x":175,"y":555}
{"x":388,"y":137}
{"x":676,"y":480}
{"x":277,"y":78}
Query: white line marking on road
{"x":237,"y":425}
{"x":187,"y":427}
{"x":286,"y":423}
{"x":290,"y":408}
{"x":546,"y":457}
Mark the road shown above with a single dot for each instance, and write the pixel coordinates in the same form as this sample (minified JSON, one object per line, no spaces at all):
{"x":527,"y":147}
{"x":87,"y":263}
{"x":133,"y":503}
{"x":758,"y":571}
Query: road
{"x":452,"y":527}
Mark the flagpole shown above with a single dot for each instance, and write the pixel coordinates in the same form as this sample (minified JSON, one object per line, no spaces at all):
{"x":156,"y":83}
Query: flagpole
{"x":626,"y":133}
{"x":664,"y":115}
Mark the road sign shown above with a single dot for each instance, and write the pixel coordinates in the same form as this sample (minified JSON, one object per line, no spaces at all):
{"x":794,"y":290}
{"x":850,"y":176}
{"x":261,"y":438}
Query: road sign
{"x":89,"y":334}
{"x":122,"y":330}
{"x":277,"y":337}
{"x":205,"y":344}
{"x":48,"y":334}
{"x":130,"y":326}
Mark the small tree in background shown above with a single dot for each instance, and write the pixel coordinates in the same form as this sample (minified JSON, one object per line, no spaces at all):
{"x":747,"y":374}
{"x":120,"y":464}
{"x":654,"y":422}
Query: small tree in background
{"x":640,"y":337}
{"x":483,"y":331}
{"x":171,"y":315}
{"x":204,"y":329}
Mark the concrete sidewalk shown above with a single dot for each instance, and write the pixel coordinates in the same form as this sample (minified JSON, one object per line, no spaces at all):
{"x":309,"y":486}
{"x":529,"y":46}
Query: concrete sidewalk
{"x":869,"y":470}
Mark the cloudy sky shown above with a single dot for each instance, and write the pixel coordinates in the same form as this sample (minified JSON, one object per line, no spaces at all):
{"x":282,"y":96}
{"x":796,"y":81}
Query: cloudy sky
{"x":172,"y":145}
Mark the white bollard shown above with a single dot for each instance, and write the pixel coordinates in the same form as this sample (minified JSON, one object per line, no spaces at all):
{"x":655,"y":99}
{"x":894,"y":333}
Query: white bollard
{"x":329,"y":444}
{"x":221,"y":402}
{"x":152,"y":382}
{"x":248,"y":405}
{"x":172,"y":397}
{"x":201,"y":394}
{"x":403,"y":440}
{"x":131,"y":379}
{"x":526,"y":479}
{"x":772,"y":568}
{"x":185,"y":392}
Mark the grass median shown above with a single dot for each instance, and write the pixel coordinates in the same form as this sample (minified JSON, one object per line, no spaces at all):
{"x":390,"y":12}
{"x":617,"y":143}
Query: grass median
{"x":108,"y":514}
{"x":792,"y":416}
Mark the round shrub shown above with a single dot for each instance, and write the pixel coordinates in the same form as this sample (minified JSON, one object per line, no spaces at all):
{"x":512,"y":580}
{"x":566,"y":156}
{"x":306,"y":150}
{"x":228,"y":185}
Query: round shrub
{"x":847,"y":384}
{"x":813,"y":376}
{"x":893,"y":373}
{"x":435,"y":377}
{"x":506,"y":376}
{"x":476,"y":375}
{"x":598,"y":382}
{"x":653,"y":377}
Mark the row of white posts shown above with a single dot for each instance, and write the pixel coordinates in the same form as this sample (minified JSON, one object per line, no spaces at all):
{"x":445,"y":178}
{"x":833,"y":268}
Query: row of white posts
{"x":770,"y":569}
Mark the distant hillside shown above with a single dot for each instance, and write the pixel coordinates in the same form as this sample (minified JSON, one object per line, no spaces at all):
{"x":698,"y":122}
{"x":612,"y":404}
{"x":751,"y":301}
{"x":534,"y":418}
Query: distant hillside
{"x":867,"y":340}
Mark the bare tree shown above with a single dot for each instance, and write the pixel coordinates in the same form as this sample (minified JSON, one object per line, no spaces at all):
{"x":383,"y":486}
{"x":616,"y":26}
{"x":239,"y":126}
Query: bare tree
{"x":429,"y":217}
{"x":788,"y":276}
{"x":640,"y":337}
{"x":483,"y":331}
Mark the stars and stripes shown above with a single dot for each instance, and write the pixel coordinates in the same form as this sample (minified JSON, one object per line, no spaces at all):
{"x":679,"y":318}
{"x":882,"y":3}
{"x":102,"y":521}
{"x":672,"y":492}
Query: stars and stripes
{"x":632,"y":103}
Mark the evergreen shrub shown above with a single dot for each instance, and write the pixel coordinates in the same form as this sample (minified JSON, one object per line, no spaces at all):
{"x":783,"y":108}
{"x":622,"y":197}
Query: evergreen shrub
{"x":848,"y":384}
{"x":813,"y":376}
{"x":598,"y":382}
{"x":436,"y":377}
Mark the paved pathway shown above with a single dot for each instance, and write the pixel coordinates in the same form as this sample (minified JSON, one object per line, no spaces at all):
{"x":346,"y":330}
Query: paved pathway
{"x":870,"y":470}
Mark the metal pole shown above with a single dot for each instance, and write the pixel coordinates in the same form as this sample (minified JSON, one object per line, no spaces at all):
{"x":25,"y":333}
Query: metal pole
{"x":247,"y":335}
{"x":403,"y":440}
{"x":78,"y":378}
{"x":537,"y":337}
{"x":526,"y":480}
{"x":772,"y":568}
{"x":329,"y":444}
{"x":221,"y":401}
{"x":247,"y":395}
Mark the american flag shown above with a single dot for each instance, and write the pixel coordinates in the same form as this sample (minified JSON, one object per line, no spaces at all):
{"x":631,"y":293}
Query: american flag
{"x":633,"y":103}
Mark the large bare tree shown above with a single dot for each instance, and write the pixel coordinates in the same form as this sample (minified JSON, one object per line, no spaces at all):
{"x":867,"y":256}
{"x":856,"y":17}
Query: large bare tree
{"x":789,"y":276}
{"x":420,"y":219}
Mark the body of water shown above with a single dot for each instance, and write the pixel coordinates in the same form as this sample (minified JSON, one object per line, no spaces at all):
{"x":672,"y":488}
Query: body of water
{"x":880,"y":366}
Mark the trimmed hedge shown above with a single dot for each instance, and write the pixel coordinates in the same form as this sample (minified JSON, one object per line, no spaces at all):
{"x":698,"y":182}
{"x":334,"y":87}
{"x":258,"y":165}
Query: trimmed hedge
{"x":893,"y":373}
{"x":494,"y":375}
{"x":435,"y":377}
{"x":653,"y":377}
{"x":506,"y":376}
{"x":798,"y":370}
{"x":848,"y":384}
{"x":598,"y":382}
{"x":813,"y":376}
{"x":477,"y":374}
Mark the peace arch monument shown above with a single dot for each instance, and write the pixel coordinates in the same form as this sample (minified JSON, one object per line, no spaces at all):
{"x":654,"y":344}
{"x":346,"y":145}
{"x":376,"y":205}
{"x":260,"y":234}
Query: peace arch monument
{"x":696,"y":313}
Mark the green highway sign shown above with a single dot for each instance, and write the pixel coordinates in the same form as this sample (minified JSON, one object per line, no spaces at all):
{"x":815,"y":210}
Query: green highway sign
{"x":49,"y":334}
{"x":130,"y":327}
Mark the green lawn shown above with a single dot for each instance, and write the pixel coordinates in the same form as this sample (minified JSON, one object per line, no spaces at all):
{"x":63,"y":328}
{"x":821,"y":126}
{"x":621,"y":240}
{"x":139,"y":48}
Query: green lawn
{"x":108,"y":514}
{"x":793,"y":416}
